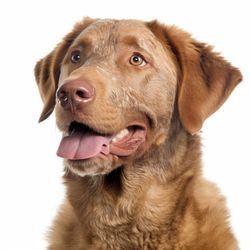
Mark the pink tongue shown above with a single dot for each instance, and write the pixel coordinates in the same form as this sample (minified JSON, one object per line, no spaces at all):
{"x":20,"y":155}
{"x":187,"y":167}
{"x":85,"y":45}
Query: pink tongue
{"x":83,"y":145}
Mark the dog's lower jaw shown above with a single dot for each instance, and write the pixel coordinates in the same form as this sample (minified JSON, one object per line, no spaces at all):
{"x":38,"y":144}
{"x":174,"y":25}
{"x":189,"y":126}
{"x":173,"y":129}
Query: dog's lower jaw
{"x":99,"y":165}
{"x":78,"y":172}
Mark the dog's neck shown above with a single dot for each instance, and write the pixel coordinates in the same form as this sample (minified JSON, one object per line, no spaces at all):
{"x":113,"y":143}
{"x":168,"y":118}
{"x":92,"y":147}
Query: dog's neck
{"x":139,"y":193}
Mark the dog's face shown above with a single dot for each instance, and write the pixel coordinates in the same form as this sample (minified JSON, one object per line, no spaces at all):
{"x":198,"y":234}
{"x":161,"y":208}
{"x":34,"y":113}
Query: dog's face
{"x":114,"y":86}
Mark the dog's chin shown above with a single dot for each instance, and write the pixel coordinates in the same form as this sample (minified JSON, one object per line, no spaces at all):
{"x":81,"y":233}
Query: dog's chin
{"x":99,"y":165}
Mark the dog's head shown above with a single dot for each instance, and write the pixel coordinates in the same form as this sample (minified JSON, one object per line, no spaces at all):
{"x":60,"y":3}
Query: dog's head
{"x":115,"y":85}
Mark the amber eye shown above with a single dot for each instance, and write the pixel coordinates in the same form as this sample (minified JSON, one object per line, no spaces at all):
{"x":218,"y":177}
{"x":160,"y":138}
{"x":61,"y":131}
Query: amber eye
{"x":137,"y":60}
{"x":75,"y":56}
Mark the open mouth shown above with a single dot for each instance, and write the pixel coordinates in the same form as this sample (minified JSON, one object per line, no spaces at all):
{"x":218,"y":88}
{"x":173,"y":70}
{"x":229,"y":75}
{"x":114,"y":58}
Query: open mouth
{"x":85,"y":143}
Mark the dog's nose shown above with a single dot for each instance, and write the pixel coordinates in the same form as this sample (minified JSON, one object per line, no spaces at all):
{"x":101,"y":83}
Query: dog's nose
{"x":74,"y":93}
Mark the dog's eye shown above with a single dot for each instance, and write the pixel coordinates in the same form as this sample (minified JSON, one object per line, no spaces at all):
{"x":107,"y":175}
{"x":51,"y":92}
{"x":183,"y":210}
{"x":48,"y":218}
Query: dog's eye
{"x":75,"y":56}
{"x":137,"y":60}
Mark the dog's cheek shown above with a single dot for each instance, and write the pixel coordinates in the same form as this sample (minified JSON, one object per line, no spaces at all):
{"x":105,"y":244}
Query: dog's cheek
{"x":160,"y":99}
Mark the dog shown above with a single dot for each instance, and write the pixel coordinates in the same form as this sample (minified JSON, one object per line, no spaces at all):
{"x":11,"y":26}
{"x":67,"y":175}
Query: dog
{"x":130,"y":98}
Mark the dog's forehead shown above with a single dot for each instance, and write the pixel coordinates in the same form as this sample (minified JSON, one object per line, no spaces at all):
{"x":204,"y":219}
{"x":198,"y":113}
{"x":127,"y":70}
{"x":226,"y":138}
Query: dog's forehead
{"x":111,"y":31}
{"x":99,"y":29}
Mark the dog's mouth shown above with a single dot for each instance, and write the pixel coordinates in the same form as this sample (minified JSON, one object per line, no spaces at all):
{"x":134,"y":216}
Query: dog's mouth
{"x":84,"y":142}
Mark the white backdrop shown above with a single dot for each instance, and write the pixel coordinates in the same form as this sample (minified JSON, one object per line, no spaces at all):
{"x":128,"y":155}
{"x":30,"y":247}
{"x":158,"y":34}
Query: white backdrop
{"x":30,"y":173}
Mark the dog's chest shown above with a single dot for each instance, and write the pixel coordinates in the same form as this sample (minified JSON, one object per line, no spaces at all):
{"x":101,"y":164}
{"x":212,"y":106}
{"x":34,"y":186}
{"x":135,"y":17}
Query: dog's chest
{"x":132,"y":238}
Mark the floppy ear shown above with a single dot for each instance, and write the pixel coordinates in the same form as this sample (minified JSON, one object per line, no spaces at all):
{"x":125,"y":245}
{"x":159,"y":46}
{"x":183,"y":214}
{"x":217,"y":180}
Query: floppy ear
{"x":205,"y":80}
{"x":47,"y":74}
{"x":47,"y":70}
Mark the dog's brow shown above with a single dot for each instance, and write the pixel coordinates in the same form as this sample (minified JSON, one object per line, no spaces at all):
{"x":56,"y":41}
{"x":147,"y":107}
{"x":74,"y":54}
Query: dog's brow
{"x":131,"y":41}
{"x":85,"y":42}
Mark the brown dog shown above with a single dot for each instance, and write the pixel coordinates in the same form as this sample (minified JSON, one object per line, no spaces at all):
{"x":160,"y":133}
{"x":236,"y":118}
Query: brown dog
{"x":130,"y":99}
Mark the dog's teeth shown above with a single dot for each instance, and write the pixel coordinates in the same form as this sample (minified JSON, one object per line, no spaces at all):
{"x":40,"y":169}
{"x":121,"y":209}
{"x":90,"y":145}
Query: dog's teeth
{"x":120,"y":135}
{"x":123,"y":133}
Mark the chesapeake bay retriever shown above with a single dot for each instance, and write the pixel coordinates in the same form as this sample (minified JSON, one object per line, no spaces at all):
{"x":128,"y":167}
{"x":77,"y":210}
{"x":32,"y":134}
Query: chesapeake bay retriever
{"x":130,"y":98}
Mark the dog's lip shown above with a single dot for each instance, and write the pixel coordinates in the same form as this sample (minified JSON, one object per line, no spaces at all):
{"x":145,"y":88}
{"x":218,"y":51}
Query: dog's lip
{"x":128,"y":144}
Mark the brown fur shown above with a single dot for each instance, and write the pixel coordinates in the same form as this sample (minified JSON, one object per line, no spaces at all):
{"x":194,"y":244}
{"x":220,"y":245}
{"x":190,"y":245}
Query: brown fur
{"x":156,"y":198}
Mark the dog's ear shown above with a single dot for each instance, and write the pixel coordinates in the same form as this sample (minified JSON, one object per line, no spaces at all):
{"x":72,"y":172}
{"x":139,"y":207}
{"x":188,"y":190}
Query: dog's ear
{"x":46,"y":74}
{"x":205,"y":78}
{"x":47,"y":70}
